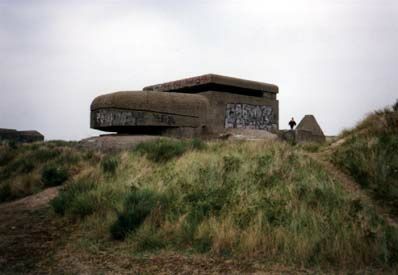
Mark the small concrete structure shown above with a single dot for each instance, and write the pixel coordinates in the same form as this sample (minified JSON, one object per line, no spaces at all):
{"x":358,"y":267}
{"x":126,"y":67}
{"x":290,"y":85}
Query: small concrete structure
{"x":308,"y":130}
{"x":20,"y":136}
{"x":309,"y":124}
{"x":207,"y":105}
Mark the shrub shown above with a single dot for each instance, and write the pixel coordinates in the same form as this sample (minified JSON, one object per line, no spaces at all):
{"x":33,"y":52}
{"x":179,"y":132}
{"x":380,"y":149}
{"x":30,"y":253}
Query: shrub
{"x":70,"y":197}
{"x":82,"y":205}
{"x":109,"y":165}
{"x":137,"y":206}
{"x":53,"y":176}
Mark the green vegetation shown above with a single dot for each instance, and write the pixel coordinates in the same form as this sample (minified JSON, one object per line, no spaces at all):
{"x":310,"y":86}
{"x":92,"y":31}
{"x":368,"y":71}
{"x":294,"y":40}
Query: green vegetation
{"x":262,"y":200}
{"x":109,"y":165}
{"x":311,"y":147}
{"x":369,"y":154}
{"x":53,"y":176}
{"x":74,"y":199}
{"x":28,"y":168}
{"x":137,"y":206}
{"x":163,"y":150}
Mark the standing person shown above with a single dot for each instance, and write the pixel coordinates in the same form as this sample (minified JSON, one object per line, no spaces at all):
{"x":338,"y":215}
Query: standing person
{"x":292,"y":123}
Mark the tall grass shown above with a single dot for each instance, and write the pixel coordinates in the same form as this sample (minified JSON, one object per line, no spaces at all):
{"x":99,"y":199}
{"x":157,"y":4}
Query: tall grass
{"x":109,"y":164}
{"x":245,"y":199}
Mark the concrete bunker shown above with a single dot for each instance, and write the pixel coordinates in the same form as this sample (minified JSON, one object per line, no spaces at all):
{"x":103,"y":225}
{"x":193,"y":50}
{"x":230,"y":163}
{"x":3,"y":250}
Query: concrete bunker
{"x":206,"y":105}
{"x":20,"y":136}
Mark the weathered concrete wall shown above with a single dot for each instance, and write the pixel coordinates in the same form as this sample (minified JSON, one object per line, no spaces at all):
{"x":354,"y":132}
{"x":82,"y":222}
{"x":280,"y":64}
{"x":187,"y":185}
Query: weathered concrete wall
{"x":149,"y":112}
{"x":307,"y":136}
{"x":157,"y":102}
{"x":104,"y":118}
{"x":228,"y":110}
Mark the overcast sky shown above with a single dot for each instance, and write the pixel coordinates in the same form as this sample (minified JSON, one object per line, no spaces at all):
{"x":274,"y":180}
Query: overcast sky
{"x":336,"y":59}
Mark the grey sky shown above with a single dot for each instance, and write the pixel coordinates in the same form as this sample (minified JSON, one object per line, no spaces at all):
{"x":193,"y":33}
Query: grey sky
{"x":331,"y":58}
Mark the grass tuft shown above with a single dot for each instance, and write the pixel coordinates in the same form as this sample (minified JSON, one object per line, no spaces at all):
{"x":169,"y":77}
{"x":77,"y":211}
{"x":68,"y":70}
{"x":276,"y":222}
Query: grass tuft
{"x":109,"y":165}
{"x":137,"y":206}
{"x":71,"y":199}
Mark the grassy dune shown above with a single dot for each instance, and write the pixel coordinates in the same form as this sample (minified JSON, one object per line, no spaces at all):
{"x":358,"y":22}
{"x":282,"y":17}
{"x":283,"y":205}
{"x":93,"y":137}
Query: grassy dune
{"x":266,"y":201}
{"x":263,"y":200}
{"x":370,"y":155}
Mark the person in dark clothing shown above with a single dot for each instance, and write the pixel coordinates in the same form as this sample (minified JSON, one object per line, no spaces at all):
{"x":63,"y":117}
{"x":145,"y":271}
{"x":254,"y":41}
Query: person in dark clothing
{"x":292,"y":123}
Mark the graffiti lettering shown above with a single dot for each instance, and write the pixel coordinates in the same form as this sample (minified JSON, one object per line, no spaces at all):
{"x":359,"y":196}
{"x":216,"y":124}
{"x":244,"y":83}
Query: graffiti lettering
{"x":249,"y":116}
{"x":106,"y":118}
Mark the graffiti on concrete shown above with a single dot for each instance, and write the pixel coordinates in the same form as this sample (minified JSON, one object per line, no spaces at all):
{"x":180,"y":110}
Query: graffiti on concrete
{"x":166,"y":119}
{"x":105,"y":118}
{"x":249,"y":116}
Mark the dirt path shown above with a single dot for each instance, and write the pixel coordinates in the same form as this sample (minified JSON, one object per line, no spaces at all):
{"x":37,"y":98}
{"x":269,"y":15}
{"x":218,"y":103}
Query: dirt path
{"x":352,"y":186}
{"x":27,"y":232}
{"x":164,"y":263}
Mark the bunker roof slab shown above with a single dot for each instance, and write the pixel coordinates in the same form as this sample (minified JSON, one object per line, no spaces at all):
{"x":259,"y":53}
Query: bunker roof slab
{"x":30,"y":133}
{"x":3,"y":131}
{"x":214,"y":82}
